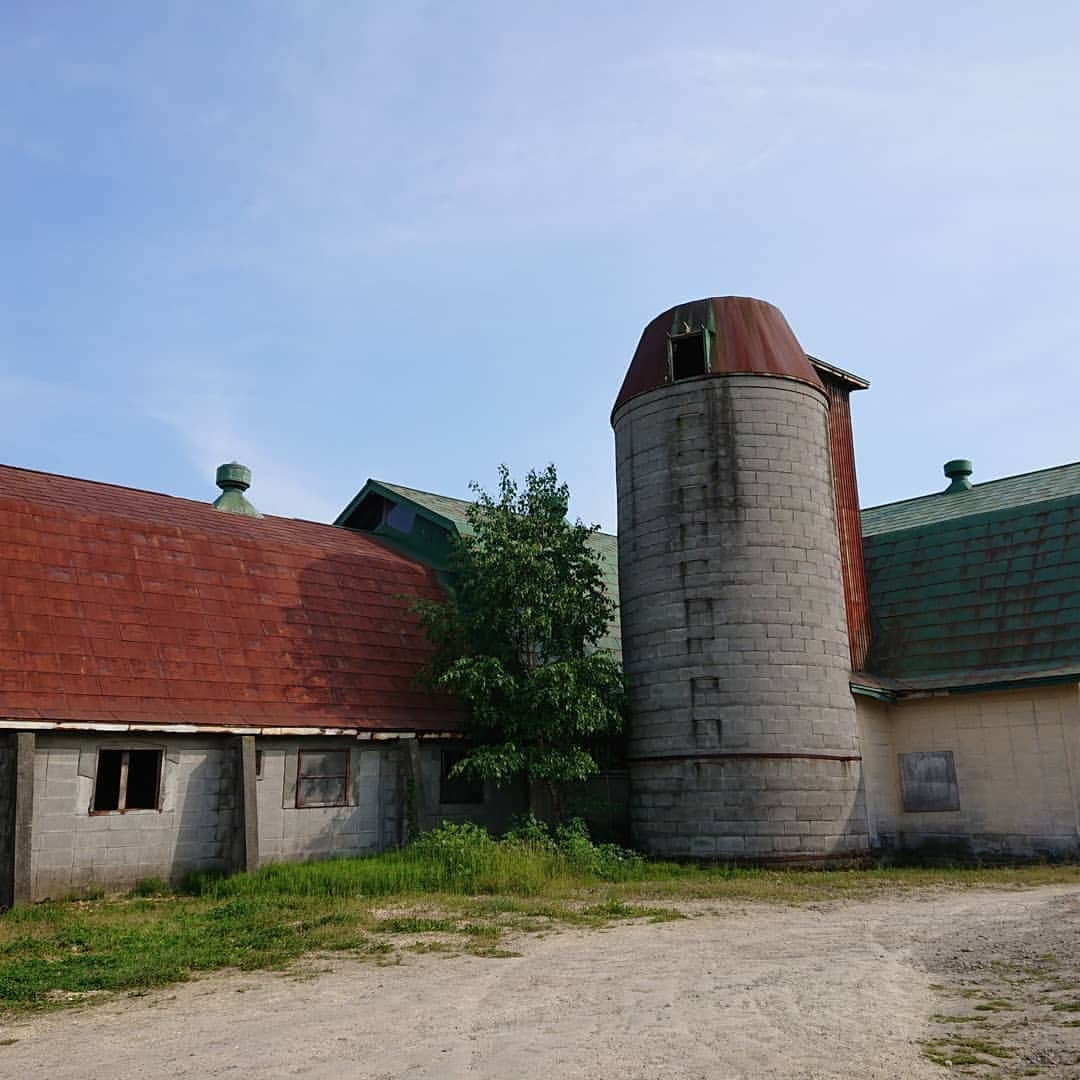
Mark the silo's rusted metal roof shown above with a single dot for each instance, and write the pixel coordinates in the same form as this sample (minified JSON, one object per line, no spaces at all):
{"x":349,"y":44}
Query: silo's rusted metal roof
{"x":746,"y":337}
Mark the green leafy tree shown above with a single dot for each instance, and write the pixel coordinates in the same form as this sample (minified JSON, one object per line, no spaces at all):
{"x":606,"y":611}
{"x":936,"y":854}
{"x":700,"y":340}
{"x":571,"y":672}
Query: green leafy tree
{"x":517,"y":639}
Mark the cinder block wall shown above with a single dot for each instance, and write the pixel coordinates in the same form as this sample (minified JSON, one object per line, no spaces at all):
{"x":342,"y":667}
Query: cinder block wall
{"x":374,"y":819}
{"x":494,"y":813}
{"x":742,"y":736}
{"x":7,"y":817}
{"x":1017,"y":764}
{"x":196,"y":828}
{"x":370,"y":822}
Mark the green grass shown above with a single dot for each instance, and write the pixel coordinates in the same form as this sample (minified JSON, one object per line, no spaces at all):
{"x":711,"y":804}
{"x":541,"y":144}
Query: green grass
{"x":961,"y":1050}
{"x":460,"y":884}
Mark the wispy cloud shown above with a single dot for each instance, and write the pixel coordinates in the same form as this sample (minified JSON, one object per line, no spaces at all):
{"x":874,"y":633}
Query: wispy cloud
{"x":210,"y":425}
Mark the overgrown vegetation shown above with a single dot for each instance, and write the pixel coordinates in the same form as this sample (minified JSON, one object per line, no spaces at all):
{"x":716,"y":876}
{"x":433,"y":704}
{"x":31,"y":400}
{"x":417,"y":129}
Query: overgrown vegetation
{"x":454,"y":890}
{"x":518,"y":638}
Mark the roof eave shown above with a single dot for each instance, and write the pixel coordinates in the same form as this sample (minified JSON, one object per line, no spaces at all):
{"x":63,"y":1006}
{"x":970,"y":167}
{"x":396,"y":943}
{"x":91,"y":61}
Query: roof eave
{"x":850,"y":380}
{"x":890,"y":689}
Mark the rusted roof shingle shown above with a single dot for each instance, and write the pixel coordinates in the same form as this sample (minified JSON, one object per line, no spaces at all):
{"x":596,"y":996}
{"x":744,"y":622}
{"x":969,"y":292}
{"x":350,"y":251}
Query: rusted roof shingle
{"x":119,"y":605}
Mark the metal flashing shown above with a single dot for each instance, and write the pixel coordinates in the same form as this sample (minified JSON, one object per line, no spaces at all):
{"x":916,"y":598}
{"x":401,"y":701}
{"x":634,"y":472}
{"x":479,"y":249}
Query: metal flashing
{"x":10,"y":724}
{"x":849,"y":379}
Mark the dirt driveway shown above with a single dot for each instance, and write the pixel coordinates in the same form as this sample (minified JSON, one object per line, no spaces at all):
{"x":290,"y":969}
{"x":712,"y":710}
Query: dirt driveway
{"x":852,"y":989}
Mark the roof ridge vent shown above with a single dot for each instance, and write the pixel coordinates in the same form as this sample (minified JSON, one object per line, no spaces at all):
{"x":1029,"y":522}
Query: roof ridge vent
{"x":234,"y":479}
{"x":958,"y":470}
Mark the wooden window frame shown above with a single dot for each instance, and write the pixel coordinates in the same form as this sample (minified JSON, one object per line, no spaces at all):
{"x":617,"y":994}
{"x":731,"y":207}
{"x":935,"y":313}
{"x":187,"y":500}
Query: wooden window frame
{"x":706,"y":350}
{"x":121,"y":797}
{"x":300,"y":778}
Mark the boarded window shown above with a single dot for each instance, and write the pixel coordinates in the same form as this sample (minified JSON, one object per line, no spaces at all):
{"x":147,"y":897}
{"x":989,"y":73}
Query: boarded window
{"x":322,"y":778}
{"x":127,"y":780}
{"x":458,"y":789}
{"x":928,"y":782}
{"x":688,"y":356}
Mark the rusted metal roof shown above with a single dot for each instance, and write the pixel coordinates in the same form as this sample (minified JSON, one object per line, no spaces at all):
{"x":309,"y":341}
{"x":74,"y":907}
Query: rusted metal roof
{"x":744,"y":336}
{"x":838,"y":387}
{"x":124,"y":606}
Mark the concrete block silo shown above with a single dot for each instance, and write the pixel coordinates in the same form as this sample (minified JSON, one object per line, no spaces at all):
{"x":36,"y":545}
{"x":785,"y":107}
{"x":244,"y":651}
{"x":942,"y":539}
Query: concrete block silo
{"x":742,"y":739}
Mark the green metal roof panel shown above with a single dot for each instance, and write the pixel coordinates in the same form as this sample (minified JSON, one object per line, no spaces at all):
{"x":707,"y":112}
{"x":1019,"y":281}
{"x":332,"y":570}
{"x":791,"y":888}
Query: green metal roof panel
{"x":991,"y":591}
{"x":1012,"y":491}
{"x":454,"y":512}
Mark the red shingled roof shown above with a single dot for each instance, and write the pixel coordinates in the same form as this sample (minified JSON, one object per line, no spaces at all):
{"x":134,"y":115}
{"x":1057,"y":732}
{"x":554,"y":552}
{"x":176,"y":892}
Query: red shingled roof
{"x":127,"y":606}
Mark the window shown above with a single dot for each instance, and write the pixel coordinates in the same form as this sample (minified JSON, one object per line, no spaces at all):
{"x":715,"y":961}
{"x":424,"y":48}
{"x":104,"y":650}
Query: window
{"x":322,"y":778}
{"x":688,"y":357}
{"x":928,"y":782}
{"x":127,"y":780}
{"x":258,"y":764}
{"x":458,"y":789}
{"x":401,"y":518}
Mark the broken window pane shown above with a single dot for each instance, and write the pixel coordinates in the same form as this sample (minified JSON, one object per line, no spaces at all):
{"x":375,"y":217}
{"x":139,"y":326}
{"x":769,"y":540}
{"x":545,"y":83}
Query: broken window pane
{"x":127,"y":780}
{"x":144,"y":769}
{"x":688,"y":356}
{"x":107,"y":784}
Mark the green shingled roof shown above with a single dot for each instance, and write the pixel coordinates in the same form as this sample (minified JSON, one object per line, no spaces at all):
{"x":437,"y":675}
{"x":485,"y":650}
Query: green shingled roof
{"x":986,"y":580}
{"x":455,"y":510}
{"x":1010,"y":492}
{"x":455,"y":513}
{"x":980,"y":585}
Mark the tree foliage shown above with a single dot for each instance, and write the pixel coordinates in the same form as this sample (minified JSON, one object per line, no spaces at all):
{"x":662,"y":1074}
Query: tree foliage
{"x":517,"y":639}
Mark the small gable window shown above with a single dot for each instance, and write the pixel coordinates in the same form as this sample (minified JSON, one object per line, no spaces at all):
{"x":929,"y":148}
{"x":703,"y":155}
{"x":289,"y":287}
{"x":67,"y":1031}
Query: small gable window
{"x":688,"y":356}
{"x":401,"y":518}
{"x":322,"y":778}
{"x":127,"y":780}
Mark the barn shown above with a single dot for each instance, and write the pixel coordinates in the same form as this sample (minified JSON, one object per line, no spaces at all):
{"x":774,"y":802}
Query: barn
{"x":190,"y":686}
{"x":186,"y":688}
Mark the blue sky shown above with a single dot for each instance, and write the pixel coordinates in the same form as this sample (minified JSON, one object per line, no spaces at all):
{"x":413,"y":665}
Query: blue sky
{"x":410,"y":241}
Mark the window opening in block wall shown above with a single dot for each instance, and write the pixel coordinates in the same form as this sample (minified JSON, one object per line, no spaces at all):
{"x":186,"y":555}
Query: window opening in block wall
{"x":458,"y":789}
{"x":127,"y":780}
{"x":322,"y":778}
{"x":688,"y":356}
{"x":258,"y":764}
